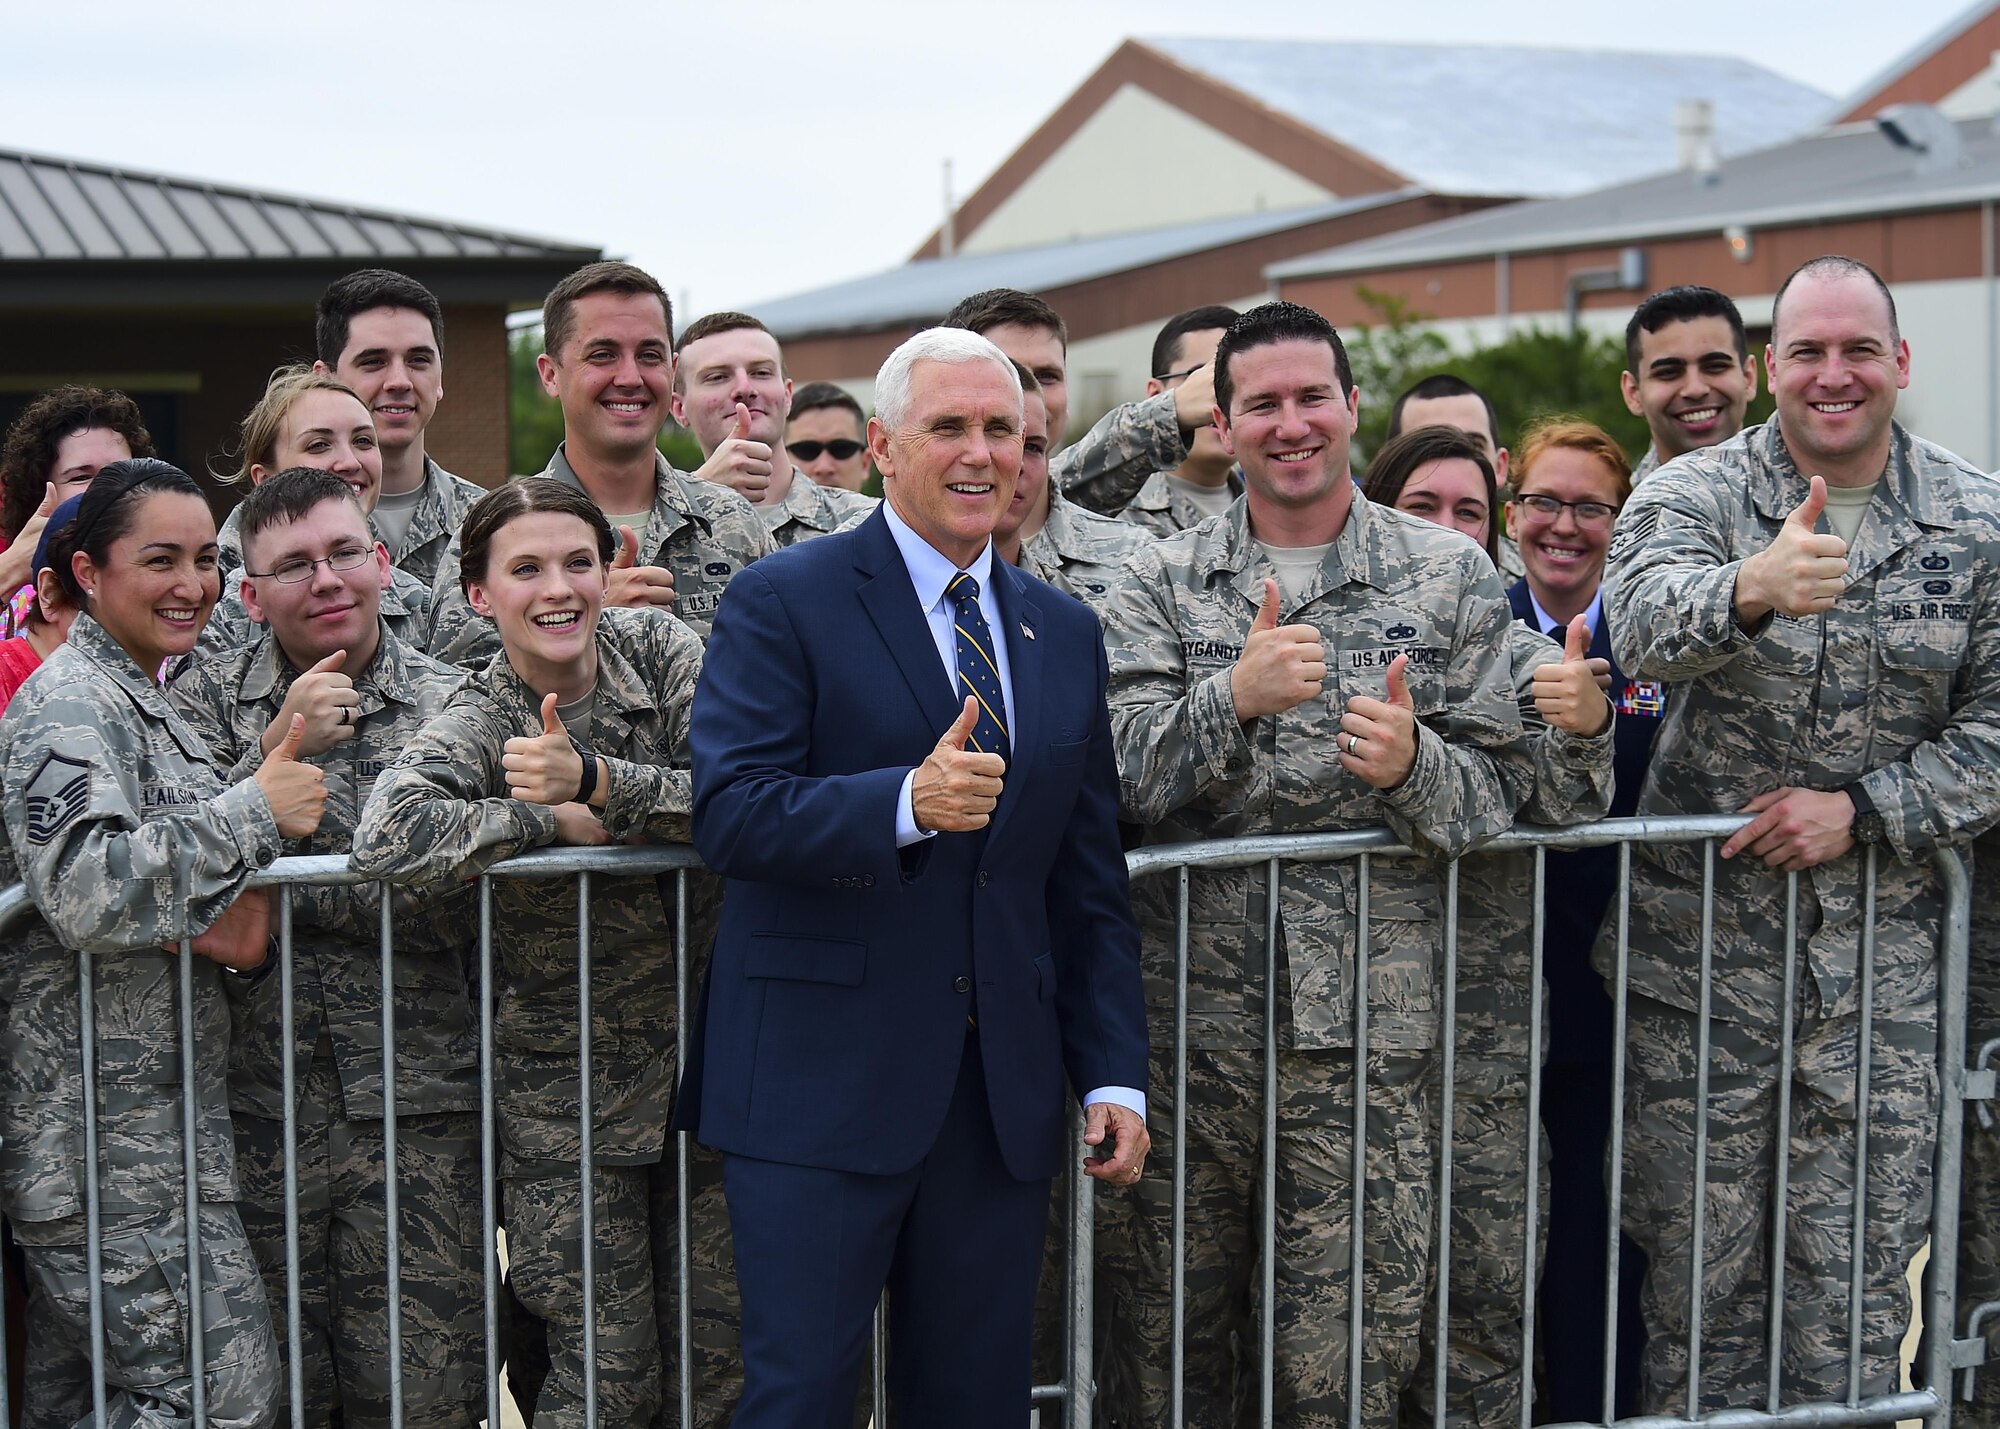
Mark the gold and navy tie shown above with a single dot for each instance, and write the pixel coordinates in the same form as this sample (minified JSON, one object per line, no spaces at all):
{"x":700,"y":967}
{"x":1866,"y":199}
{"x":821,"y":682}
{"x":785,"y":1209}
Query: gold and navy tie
{"x":978,"y":673}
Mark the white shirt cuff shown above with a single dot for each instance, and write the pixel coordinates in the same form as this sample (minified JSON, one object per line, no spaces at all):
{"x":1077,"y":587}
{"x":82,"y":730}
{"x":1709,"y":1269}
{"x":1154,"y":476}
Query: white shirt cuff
{"x":907,"y":832}
{"x":1128,"y":1097}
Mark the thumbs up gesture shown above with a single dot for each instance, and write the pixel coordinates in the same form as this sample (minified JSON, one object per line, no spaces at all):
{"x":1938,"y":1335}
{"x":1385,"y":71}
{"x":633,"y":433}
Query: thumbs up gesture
{"x":956,"y":789}
{"x":327,"y":700}
{"x":1801,"y":572}
{"x":740,"y":462}
{"x":628,"y":583}
{"x":1377,"y":741}
{"x":1569,"y":695}
{"x":296,"y":792}
{"x":1281,"y":666}
{"x":544,"y":768}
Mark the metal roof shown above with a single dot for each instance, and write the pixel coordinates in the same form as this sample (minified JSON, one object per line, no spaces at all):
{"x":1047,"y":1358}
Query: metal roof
{"x":1848,"y":172}
{"x":1492,"y":119}
{"x":65,"y":210}
{"x":926,"y":289}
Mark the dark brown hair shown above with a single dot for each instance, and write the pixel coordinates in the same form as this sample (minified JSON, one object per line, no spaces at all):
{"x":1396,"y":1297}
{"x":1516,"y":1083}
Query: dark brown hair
{"x":559,"y":307}
{"x":998,"y":306}
{"x":1403,"y":457}
{"x":29,"y":457}
{"x":531,"y":494}
{"x":109,"y":510}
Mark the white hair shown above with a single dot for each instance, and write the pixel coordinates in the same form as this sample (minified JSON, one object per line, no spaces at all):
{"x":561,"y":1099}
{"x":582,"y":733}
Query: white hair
{"x":951,"y":345}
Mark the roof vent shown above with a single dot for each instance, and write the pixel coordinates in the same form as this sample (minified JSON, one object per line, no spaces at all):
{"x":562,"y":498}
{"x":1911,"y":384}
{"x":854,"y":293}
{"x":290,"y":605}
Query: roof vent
{"x":1694,"y":137}
{"x":1924,"y":130}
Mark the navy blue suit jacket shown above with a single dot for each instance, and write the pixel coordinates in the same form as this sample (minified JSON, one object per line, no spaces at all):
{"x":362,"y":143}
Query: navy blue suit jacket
{"x":834,"y":1019}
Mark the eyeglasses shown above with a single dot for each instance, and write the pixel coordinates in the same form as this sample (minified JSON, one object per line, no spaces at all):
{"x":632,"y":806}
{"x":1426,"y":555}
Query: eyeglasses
{"x":840,"y":450}
{"x":1591,"y":515}
{"x":347,"y":558}
{"x":1181,"y":376}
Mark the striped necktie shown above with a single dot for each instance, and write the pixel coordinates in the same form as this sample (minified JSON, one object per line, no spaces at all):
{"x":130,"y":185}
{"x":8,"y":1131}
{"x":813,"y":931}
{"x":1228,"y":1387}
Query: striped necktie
{"x":978,"y":672}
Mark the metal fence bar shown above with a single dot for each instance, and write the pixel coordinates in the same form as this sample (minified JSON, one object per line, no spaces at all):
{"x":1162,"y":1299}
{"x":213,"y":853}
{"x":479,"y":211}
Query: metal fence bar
{"x":1267,"y":1283}
{"x":1530,"y":1242}
{"x":1941,"y":1283}
{"x":93,"y":1227}
{"x":1447,"y":1109}
{"x":1698,"y":1229}
{"x":288,"y":1060}
{"x":1781,"y":1170}
{"x":878,"y":1364}
{"x":191,"y":1161}
{"x":1615,"y":1170}
{"x":391,"y":1194}
{"x":489,"y":1158}
{"x":1357,"y":1265}
{"x":684,"y":1157}
{"x":586,"y":1167}
{"x":1079,"y":1387}
{"x":1177,"y":1265}
{"x":1863,"y":1053}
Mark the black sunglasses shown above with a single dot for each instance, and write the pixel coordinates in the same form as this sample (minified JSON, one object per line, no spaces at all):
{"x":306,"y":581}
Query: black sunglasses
{"x":842,"y":449}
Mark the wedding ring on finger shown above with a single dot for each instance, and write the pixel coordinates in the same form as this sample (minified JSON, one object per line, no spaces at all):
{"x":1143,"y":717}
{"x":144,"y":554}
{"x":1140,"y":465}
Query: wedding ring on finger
{"x":1352,"y":741}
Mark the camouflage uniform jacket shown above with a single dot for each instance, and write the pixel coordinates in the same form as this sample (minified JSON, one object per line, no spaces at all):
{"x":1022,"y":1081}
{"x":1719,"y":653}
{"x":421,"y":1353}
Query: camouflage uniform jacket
{"x":1080,"y":552}
{"x":230,"y":700}
{"x":1897,"y":687}
{"x":1189,"y":769}
{"x":1648,"y":464}
{"x":1163,"y":510}
{"x":1103,"y":469}
{"x":814,"y":510}
{"x":441,"y":813}
{"x":112,"y":807}
{"x":700,"y":530}
{"x":434,"y":524}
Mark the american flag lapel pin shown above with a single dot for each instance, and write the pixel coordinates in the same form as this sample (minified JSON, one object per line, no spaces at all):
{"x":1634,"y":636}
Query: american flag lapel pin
{"x":1027,"y":631}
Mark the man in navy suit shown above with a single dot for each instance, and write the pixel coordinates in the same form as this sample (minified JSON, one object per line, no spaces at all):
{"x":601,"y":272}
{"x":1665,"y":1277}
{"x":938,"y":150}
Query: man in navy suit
{"x":903,"y":768}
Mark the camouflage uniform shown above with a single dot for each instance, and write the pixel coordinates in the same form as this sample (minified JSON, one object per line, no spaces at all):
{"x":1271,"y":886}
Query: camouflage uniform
{"x":434,"y":525}
{"x":700,"y":530}
{"x":1161,"y":509}
{"x":1648,"y":464}
{"x":1491,"y":1120}
{"x":1189,"y":770}
{"x":813,"y":510}
{"x":1103,"y":469}
{"x":1079,"y":552}
{"x":127,"y":839}
{"x":230,"y":701}
{"x":440,"y":814}
{"x":1898,"y":687}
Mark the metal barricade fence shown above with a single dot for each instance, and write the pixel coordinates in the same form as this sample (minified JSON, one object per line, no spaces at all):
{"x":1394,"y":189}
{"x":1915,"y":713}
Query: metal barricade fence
{"x":1076,"y":1389}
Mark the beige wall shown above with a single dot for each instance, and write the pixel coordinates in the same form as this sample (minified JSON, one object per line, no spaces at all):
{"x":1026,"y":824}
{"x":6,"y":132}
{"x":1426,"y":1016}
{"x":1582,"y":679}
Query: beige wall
{"x":1093,"y":184}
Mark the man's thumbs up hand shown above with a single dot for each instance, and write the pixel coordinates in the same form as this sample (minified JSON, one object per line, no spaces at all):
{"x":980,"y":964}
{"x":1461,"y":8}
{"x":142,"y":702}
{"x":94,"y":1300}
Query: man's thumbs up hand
{"x":956,"y":789}
{"x":1802,"y":572}
{"x":1377,"y":740}
{"x":544,"y":768}
{"x":1281,"y":666}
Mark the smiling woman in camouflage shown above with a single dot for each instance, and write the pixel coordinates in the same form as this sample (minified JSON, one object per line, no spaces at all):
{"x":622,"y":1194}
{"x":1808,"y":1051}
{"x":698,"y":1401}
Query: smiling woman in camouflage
{"x":129,"y":841}
{"x":576,"y":733}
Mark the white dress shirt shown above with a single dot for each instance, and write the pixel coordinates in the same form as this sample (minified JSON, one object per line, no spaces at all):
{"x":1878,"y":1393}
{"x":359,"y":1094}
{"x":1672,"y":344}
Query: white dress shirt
{"x":930,"y":573}
{"x":1543,"y":620}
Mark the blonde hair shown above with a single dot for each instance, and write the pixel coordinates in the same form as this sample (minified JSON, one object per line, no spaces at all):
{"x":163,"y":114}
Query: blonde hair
{"x":1573,"y":434}
{"x":264,"y":424}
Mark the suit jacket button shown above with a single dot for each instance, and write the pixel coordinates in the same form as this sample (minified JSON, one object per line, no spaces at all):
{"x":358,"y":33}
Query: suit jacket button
{"x":867,"y":880}
{"x":983,"y":878}
{"x":963,"y":984}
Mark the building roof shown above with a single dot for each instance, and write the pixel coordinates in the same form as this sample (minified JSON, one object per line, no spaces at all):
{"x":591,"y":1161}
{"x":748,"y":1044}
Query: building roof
{"x":1849,"y":172}
{"x":925,"y":288}
{"x":1487,"y":119}
{"x":1906,"y":71}
{"x":65,"y":210}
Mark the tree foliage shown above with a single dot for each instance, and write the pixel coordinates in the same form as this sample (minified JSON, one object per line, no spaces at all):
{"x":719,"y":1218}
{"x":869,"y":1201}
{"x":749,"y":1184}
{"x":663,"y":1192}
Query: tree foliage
{"x":535,"y":420}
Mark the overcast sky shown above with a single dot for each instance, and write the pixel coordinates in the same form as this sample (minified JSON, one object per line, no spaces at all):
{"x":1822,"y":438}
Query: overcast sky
{"x":739,"y":151}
